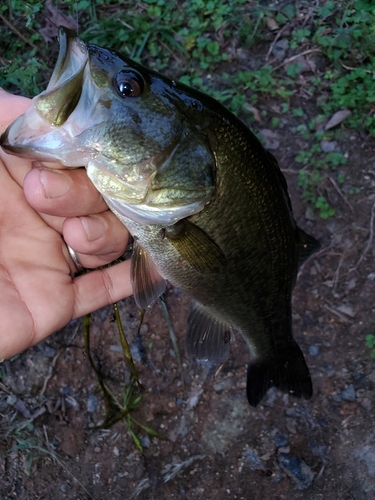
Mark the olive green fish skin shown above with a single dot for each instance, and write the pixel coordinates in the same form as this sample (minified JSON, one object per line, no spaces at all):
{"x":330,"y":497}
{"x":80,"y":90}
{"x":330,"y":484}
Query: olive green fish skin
{"x":250,"y":222}
{"x":175,"y":149}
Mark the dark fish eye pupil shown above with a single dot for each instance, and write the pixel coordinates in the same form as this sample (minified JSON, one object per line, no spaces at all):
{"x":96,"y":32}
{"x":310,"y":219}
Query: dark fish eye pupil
{"x":125,"y":88}
{"x":128,"y":84}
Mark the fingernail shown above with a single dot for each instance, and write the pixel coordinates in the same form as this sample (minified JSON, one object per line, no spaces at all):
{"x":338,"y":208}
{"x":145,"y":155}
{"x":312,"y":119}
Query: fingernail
{"x":94,"y":227}
{"x":55,"y":183}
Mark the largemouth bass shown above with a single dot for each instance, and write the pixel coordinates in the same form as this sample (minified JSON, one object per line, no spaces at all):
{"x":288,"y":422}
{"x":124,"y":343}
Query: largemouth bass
{"x":206,"y":204}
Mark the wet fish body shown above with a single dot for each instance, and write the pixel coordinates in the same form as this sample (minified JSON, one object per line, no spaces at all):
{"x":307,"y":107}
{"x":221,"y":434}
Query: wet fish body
{"x":206,"y":204}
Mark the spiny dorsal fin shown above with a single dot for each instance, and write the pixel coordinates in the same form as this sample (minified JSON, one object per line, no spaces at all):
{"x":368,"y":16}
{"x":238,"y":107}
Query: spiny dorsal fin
{"x":147,"y":283}
{"x":196,"y":247}
{"x":208,"y":338}
{"x":307,"y":245}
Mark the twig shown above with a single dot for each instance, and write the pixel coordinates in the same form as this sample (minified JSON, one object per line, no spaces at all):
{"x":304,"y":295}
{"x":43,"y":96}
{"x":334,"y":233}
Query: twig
{"x":335,"y":185}
{"x":369,"y":243}
{"x":13,"y":28}
{"x":341,"y":316}
{"x":274,"y":41}
{"x":290,"y":59}
{"x":352,"y":69}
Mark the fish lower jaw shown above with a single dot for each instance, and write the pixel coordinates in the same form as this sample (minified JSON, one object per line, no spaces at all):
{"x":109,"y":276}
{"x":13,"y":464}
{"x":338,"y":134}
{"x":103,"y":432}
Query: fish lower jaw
{"x":146,"y":215}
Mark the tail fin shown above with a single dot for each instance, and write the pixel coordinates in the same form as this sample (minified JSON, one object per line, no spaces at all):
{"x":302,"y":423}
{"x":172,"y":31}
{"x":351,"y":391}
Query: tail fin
{"x":288,"y":372}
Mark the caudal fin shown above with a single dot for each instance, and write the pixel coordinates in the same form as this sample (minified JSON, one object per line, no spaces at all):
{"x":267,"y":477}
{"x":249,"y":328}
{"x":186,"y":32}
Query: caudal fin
{"x":288,"y":372}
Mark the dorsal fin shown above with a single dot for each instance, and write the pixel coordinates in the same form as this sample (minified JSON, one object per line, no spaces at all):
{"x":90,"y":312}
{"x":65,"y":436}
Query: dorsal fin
{"x":208,"y":338}
{"x":147,"y":283}
{"x":196,"y":247}
{"x":307,"y":245}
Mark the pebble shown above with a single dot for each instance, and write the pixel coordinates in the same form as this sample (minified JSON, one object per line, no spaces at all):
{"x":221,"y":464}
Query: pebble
{"x":348,"y":394}
{"x":280,"y":440}
{"x":346,"y":309}
{"x":223,"y":384}
{"x":145,"y":442}
{"x":297,"y":470}
{"x":329,"y":146}
{"x":254,"y":461}
{"x":314,"y":350}
{"x":280,"y":48}
{"x":49,"y":351}
{"x":92,"y":403}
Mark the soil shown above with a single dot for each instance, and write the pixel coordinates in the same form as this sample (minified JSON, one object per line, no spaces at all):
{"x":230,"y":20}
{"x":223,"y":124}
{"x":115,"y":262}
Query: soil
{"x":214,"y":446}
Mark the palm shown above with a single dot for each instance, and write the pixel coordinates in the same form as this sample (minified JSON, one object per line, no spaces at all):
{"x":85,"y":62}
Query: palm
{"x":34,"y":274}
{"x":38,"y":294}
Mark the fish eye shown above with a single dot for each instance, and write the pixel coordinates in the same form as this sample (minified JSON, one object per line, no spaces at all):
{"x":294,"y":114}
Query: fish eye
{"x":128,"y":84}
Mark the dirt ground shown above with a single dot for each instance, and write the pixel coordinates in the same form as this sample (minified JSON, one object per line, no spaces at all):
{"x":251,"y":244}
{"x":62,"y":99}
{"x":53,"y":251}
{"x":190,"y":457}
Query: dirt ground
{"x":215,"y":445}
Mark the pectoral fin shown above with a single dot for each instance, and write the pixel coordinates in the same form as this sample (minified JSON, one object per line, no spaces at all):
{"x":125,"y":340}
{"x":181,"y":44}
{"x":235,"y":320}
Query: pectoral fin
{"x":196,"y":247}
{"x":208,"y":338}
{"x":147,"y":283}
{"x":307,"y":245}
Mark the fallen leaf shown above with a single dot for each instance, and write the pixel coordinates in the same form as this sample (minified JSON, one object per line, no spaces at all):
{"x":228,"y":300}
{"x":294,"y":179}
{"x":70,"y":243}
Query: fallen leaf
{"x":55,"y":19}
{"x":272,"y":25}
{"x":337,"y":118}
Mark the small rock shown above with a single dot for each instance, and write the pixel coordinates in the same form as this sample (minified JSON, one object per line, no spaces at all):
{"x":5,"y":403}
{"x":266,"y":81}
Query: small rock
{"x":337,"y":398}
{"x":144,"y":328}
{"x":92,"y":403}
{"x":280,"y":48}
{"x":223,"y":384}
{"x":366,"y":404}
{"x":11,"y":400}
{"x":348,"y":394}
{"x":346,"y":309}
{"x":49,"y":351}
{"x":272,"y":139}
{"x":145,"y":442}
{"x":297,"y":470}
{"x":314,"y":350}
{"x":254,"y":461}
{"x":280,"y":440}
{"x":137,"y":350}
{"x":328,"y":146}
{"x":291,"y":425}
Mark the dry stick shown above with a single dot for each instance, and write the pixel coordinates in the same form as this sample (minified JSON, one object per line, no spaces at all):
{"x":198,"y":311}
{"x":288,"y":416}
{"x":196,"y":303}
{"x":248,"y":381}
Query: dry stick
{"x":369,"y":243}
{"x":13,"y":28}
{"x":290,"y":59}
{"x":335,"y":185}
{"x":274,"y":41}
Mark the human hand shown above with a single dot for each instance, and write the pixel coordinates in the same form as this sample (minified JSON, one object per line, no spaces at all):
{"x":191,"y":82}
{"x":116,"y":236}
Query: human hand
{"x":37,"y":207}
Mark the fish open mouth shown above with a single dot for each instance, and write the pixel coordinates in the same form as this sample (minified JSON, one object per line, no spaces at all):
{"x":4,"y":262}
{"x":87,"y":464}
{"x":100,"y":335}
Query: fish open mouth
{"x":64,"y":89}
{"x":31,"y":134}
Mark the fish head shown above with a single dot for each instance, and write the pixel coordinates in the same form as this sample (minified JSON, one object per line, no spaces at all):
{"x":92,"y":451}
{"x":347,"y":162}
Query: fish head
{"x":129,"y":126}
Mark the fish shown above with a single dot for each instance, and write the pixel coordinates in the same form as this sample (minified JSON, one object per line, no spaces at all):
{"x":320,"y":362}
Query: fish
{"x":206,"y":204}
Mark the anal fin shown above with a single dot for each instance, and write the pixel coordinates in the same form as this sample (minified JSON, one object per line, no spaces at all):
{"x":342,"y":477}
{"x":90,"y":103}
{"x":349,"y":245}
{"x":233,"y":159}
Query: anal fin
{"x":147,"y":283}
{"x":208,"y":338}
{"x":307,"y":245}
{"x":287,"y":371}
